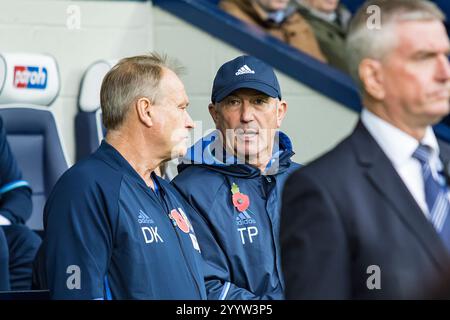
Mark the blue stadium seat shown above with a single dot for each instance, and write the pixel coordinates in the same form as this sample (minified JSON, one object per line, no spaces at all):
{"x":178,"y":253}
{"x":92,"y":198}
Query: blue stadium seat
{"x":29,"y":83}
{"x":36,"y":143}
{"x":89,"y":130}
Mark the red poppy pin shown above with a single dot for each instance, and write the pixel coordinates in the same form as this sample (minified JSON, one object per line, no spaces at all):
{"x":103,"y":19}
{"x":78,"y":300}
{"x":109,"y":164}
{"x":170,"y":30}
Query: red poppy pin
{"x":181,"y":223}
{"x":240,"y":201}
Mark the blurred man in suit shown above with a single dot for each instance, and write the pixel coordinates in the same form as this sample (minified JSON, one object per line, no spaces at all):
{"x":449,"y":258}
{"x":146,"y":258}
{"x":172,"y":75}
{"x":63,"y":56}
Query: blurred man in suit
{"x":370,"y":219}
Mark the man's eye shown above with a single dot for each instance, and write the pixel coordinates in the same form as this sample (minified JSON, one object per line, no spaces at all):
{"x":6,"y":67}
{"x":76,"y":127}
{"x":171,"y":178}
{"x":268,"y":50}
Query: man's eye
{"x":233,"y":102}
{"x":259,"y":101}
{"x":425,"y":56}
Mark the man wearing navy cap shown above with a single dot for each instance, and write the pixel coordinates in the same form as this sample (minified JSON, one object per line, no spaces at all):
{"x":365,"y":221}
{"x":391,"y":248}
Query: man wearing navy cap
{"x":234,"y":178}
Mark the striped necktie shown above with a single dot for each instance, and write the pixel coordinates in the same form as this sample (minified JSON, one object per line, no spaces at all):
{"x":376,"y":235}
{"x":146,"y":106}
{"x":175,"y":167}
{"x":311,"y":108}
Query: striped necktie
{"x":435,"y":195}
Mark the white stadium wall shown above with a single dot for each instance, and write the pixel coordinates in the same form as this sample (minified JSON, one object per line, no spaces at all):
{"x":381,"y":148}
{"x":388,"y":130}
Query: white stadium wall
{"x":114,"y":29}
{"x":314,"y":122}
{"x":107,"y":29}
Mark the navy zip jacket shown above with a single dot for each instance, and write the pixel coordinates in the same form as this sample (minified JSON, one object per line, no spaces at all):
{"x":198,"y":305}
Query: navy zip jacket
{"x":237,"y":218}
{"x":109,"y":236}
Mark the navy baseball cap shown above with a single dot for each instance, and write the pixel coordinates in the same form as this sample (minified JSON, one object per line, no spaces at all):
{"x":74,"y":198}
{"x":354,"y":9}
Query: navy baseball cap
{"x":245,"y":72}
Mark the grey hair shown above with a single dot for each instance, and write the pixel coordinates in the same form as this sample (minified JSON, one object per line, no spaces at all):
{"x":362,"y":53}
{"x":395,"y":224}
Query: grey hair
{"x":130,"y":79}
{"x":374,"y":43}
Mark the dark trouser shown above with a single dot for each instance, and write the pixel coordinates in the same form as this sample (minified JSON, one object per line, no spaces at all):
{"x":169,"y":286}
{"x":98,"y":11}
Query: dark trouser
{"x":4,"y":261}
{"x":22,"y":246}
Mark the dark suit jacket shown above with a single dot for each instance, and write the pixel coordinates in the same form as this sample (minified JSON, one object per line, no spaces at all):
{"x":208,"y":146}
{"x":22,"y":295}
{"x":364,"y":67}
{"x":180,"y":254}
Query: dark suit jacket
{"x":347,"y":211}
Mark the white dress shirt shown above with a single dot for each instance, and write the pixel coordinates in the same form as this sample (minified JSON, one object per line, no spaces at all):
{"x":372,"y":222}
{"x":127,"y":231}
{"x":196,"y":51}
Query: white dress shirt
{"x":399,"y":148}
{"x":4,"y":221}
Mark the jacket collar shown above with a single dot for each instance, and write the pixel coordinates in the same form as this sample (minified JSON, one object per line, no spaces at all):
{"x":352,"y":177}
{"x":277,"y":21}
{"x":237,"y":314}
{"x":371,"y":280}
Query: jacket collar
{"x":112,"y":157}
{"x":203,"y":153}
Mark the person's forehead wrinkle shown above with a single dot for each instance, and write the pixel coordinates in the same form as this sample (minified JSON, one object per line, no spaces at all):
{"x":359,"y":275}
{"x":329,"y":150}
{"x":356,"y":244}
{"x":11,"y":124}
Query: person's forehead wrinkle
{"x":435,"y":40}
{"x":247,"y":91}
{"x":172,"y":89}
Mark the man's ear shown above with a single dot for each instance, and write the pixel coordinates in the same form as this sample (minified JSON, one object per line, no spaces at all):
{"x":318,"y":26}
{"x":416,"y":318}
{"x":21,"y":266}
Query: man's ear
{"x":281,"y":112}
{"x":214,"y":113}
{"x":371,"y":75}
{"x":144,"y":109}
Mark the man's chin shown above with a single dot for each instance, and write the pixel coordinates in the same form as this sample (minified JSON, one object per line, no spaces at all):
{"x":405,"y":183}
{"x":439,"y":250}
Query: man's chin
{"x":247,"y":154}
{"x":439,"y":113}
{"x":178,"y":152}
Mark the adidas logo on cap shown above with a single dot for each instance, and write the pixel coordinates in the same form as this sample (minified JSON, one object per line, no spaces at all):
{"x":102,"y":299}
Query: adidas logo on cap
{"x":244,"y":70}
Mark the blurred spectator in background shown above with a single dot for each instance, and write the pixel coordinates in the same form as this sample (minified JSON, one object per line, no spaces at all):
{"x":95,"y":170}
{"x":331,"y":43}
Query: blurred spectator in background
{"x":279,"y":19}
{"x":329,"y":19}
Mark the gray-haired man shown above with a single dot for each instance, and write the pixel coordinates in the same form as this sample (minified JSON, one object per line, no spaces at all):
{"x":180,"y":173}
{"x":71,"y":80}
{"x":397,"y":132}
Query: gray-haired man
{"x":370,"y":219}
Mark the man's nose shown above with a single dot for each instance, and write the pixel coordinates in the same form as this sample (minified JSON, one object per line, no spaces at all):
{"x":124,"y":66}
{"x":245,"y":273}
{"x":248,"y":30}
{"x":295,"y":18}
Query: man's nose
{"x":443,"y":68}
{"x":189,"y":122}
{"x":246,"y":111}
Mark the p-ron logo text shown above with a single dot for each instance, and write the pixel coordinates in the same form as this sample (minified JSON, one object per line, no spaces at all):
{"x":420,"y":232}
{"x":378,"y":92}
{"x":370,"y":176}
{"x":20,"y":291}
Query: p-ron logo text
{"x":30,"y":77}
